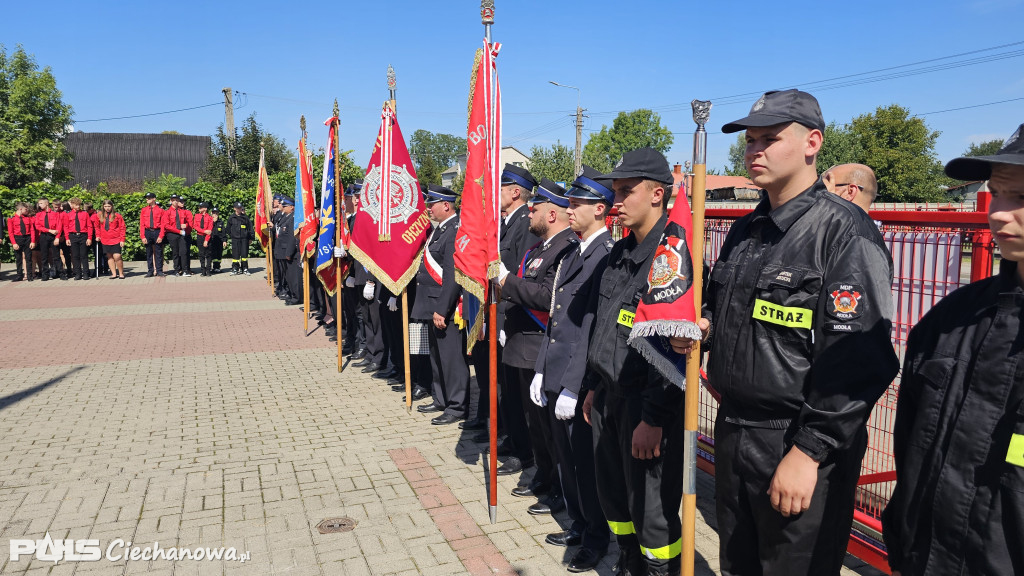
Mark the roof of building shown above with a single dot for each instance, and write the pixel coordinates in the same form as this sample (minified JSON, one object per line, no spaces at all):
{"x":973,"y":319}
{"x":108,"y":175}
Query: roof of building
{"x":107,"y":157}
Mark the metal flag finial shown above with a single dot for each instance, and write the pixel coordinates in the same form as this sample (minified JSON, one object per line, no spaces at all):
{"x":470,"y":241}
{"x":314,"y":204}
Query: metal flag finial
{"x":336,"y":111}
{"x":701,"y":111}
{"x":302,"y":123}
{"x":391,"y":78}
{"x":487,"y":12}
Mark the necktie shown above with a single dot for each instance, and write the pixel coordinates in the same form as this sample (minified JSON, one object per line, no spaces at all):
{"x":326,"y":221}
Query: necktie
{"x":78,"y":223}
{"x":106,"y":222}
{"x":22,"y":220}
{"x":177,"y":219}
{"x":46,"y":220}
{"x":151,"y":225}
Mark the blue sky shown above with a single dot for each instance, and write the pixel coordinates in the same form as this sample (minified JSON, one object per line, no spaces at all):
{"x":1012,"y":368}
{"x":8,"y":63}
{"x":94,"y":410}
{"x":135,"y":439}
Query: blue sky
{"x":291,"y":58}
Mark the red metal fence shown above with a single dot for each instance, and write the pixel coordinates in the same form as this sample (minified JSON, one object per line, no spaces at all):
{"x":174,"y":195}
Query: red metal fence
{"x":931,"y":251}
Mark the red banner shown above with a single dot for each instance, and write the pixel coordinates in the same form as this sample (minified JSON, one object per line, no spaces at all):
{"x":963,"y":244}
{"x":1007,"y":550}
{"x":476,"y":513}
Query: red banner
{"x":477,"y":258}
{"x":262,"y":212}
{"x":392,"y":257}
{"x":310,"y":218}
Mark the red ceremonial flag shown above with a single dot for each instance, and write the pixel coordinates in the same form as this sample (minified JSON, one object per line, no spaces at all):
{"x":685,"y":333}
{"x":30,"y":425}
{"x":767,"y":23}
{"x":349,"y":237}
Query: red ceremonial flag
{"x":310,"y":218}
{"x":390,"y":247}
{"x":477,"y":258}
{"x":666,"y":307}
{"x":262,"y":212}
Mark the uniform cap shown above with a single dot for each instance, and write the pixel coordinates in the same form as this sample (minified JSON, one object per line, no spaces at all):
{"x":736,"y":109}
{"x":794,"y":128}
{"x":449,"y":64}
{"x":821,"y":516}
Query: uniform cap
{"x":205,"y":205}
{"x":549,"y":191}
{"x":646,"y":163}
{"x":437,"y":193}
{"x":980,"y":167}
{"x":285,"y":201}
{"x":150,"y":195}
{"x":780,"y":107}
{"x":590,"y":184}
{"x":513,"y":174}
{"x":238,"y":205}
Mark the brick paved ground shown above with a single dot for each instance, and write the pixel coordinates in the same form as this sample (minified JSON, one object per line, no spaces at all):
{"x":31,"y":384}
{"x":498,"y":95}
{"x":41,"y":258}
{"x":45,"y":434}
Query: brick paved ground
{"x":194,"y":412}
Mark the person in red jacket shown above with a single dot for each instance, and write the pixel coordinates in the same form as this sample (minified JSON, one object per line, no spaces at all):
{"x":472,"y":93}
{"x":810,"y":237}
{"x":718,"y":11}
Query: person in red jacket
{"x":151,"y":232}
{"x":110,"y":232}
{"x":22,"y":232}
{"x":177,"y":225}
{"x":78,"y":234}
{"x":203,"y":223}
{"x":48,"y":225}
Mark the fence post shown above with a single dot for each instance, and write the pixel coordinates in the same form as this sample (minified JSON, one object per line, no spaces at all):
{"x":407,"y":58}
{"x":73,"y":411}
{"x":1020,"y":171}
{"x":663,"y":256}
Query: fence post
{"x":983,"y":247}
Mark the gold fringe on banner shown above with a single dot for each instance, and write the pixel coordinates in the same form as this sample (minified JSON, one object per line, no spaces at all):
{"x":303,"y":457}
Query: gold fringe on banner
{"x":394,"y":287}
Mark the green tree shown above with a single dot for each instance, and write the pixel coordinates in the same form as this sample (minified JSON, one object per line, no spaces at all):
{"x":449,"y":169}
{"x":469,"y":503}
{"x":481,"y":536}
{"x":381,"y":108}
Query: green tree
{"x":242,"y":167}
{"x":629,"y":131}
{"x":737,"y":167}
{"x":987,"y":148}
{"x":557,"y":162}
{"x":33,"y":122}
{"x":434,"y":153}
{"x":901,"y":150}
{"x":841,"y":146}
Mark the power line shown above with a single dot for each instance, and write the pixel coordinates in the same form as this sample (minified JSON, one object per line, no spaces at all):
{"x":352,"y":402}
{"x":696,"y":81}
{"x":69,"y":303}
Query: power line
{"x":150,"y":114}
{"x":967,"y":107}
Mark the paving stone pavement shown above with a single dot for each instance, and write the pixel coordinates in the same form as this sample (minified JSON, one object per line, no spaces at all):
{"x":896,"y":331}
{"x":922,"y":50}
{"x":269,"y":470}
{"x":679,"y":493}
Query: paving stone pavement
{"x":194,"y":412}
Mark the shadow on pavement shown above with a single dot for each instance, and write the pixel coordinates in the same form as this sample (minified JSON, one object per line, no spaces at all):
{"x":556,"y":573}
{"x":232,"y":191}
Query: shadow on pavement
{"x":16,"y":397}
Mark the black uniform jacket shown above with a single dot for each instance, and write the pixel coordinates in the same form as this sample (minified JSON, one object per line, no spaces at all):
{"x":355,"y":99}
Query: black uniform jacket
{"x":432,"y":297}
{"x":220,"y":229}
{"x":563,"y":351}
{"x":958,"y":505}
{"x":240,"y":227}
{"x":285,"y":246}
{"x":800,"y":303}
{"x":611,"y":361}
{"x":523,"y":334}
{"x":515,"y":239}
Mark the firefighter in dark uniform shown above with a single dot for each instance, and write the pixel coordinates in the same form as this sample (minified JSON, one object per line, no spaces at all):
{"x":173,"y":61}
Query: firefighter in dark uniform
{"x":527,"y":289}
{"x":367,"y":301}
{"x":285,"y":246}
{"x":636,"y":413}
{"x":958,"y":505}
{"x":562,"y":362}
{"x":220,"y":232}
{"x":355,"y":340}
{"x":276,"y":216}
{"x":241,"y":232}
{"x":798,"y":314}
{"x":437,"y":298}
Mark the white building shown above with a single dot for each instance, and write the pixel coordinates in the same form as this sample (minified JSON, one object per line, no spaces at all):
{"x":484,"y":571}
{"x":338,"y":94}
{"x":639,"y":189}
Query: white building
{"x":509,"y":155}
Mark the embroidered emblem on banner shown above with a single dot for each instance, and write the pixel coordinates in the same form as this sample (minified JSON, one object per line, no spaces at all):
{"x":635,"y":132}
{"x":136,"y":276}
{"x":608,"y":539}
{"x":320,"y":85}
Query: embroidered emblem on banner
{"x":669,"y":277}
{"x":845,"y":301}
{"x":404,"y":192}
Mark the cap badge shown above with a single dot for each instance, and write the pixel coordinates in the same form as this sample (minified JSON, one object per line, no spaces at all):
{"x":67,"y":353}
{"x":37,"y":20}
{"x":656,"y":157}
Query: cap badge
{"x":1013,"y":138}
{"x":619,"y":163}
{"x":759,"y":104}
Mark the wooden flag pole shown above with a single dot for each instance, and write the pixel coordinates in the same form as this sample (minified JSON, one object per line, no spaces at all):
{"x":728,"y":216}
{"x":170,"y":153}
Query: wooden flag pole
{"x":408,"y":362}
{"x":270,"y":233}
{"x":487,"y":19}
{"x":701,"y":110}
{"x":339,"y":221}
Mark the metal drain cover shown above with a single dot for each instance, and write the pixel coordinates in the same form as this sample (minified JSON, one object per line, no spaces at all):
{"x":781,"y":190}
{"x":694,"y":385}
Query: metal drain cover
{"x":332,"y":525}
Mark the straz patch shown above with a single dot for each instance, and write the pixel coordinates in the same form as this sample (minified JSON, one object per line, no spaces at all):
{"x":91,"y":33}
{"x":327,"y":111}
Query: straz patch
{"x":1015,"y":454}
{"x":626,"y":318}
{"x":845,"y":301}
{"x":790,"y":317}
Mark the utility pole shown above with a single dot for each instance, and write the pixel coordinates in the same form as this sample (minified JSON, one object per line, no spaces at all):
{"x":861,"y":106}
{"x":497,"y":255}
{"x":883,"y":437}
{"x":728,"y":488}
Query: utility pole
{"x":579,"y":127}
{"x":229,"y":124}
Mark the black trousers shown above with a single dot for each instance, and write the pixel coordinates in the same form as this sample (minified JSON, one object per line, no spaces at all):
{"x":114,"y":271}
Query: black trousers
{"x":64,"y":264}
{"x":154,"y":251}
{"x":239,"y":254}
{"x":23,"y":252}
{"x":538,"y":426}
{"x":179,"y":251}
{"x":480,"y":390}
{"x":216,"y":251}
{"x":450,"y":372}
{"x":512,"y":412}
{"x":754,"y":538}
{"x":48,"y":254}
{"x":79,"y":254}
{"x":371,"y":328}
{"x":573,"y":443}
{"x":352,"y":319}
{"x":280,"y":282}
{"x":391,"y":329}
{"x":204,"y":254}
{"x":640,"y":498}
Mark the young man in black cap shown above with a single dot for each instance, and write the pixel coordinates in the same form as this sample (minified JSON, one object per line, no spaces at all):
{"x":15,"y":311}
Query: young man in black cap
{"x":241,"y":232}
{"x":636,"y":413}
{"x":958,"y":505}
{"x":797,"y":320}
{"x":177,"y":223}
{"x":151,"y":232}
{"x":437,"y":297}
{"x":561,"y":364}
{"x":355,"y":336}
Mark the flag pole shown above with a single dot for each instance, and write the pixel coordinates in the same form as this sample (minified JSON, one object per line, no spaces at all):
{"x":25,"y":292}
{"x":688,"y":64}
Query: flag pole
{"x":487,"y":19}
{"x":270,"y":233}
{"x":339,"y":221}
{"x":406,"y":360}
{"x":302,"y":249}
{"x":701,"y":112}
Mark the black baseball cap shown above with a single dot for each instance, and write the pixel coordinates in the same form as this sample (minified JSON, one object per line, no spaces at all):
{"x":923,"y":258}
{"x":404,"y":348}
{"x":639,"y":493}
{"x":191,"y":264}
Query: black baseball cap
{"x":150,"y":195}
{"x":238,"y":205}
{"x":205,"y":205}
{"x":780,"y":107}
{"x":513,"y":174}
{"x":980,"y":167}
{"x":646,"y":163}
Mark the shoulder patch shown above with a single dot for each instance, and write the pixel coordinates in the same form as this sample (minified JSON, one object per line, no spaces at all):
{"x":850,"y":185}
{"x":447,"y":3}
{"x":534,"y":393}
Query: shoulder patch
{"x":846,"y":301}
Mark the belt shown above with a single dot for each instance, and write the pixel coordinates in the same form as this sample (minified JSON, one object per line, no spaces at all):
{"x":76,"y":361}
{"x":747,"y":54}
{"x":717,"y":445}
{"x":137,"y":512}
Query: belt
{"x":773,"y":424}
{"x":75,"y":233}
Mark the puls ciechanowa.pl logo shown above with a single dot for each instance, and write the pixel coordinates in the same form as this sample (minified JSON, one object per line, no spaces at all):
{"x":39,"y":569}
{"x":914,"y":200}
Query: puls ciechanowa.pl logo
{"x":90,"y":550}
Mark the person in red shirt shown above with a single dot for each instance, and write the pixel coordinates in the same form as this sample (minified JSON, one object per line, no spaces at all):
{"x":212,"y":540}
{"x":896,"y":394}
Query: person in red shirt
{"x":22,"y":232}
{"x":63,"y":245}
{"x":177,"y":224}
{"x":78,"y":233}
{"x":110,"y":232}
{"x":151,"y":232}
{"x":48,"y":225}
{"x":203,"y":224}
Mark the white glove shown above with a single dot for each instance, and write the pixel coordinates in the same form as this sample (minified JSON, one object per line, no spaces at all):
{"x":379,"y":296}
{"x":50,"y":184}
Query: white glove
{"x":368,"y":290}
{"x":537,"y":391}
{"x":502,"y":273}
{"x":339,"y":252}
{"x":501,"y":337}
{"x":393,"y":304}
{"x":565,"y":406}
{"x":350,"y":282}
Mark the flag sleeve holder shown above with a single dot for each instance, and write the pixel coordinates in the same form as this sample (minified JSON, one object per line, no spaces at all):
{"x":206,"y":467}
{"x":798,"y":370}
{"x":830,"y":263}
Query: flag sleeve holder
{"x":701,"y":111}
